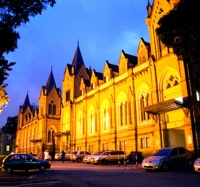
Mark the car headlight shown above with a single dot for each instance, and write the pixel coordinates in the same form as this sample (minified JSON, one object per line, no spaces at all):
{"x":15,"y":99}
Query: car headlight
{"x":155,"y":161}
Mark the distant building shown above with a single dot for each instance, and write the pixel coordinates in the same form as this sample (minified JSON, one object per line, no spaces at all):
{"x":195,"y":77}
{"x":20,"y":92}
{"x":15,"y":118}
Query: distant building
{"x":8,"y":136}
{"x":139,"y":104}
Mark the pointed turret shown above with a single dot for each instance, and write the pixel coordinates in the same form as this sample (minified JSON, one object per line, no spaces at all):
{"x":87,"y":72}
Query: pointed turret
{"x":78,"y":60}
{"x":149,"y":9}
{"x":26,"y":102}
{"x":50,"y":82}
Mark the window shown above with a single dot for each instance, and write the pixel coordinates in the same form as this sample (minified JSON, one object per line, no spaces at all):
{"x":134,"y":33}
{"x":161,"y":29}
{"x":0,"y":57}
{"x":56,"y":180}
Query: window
{"x":145,"y":142}
{"x":105,"y":146}
{"x":52,"y":108}
{"x":181,"y":151}
{"x":68,"y":95}
{"x":105,"y":78}
{"x":123,"y":145}
{"x":50,"y":135}
{"x":106,"y":119}
{"x":92,"y":123}
{"x":172,"y":81}
{"x":91,"y":148}
{"x":8,"y":136}
{"x":144,"y":102}
{"x":92,"y":86}
{"x":174,"y":152}
{"x":80,"y":126}
{"x":8,"y":147}
{"x":81,"y":92}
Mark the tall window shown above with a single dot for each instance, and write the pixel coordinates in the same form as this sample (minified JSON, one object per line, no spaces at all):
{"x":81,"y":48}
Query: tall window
{"x":52,"y":108}
{"x":68,"y":95}
{"x":106,"y":119}
{"x":92,"y":125}
{"x":50,"y":135}
{"x":145,"y":142}
{"x":104,"y":146}
{"x":80,"y":126}
{"x":144,"y":102}
{"x":123,"y":145}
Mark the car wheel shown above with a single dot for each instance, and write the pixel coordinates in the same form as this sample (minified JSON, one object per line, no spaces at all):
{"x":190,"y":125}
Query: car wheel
{"x":190,"y":163}
{"x":8,"y":170}
{"x":103,"y":162}
{"x":165,"y":167}
{"x":78,"y":159}
{"x":73,"y":161}
{"x":42,"y":168}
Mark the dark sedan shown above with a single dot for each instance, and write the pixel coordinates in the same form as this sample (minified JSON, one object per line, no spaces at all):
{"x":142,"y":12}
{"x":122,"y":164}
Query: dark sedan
{"x":20,"y":161}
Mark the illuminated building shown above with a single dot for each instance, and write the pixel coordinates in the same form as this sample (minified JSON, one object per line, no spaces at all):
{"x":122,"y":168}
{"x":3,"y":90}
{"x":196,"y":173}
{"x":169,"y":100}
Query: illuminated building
{"x":139,"y":104}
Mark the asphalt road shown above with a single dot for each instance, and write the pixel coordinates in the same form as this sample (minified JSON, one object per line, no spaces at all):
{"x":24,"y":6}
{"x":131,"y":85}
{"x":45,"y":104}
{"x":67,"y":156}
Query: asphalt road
{"x":111,"y":175}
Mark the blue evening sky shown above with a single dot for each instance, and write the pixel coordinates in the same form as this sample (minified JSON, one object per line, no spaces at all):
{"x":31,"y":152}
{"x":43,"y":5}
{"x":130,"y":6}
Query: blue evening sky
{"x":103,"y":29}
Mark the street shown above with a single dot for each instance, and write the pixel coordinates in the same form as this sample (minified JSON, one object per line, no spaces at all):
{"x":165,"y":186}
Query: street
{"x":86,"y":175}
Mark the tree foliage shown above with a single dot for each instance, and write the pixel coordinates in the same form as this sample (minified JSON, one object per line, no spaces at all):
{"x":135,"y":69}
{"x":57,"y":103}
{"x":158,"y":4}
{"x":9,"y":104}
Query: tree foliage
{"x":14,"y":13}
{"x":180,"y":30}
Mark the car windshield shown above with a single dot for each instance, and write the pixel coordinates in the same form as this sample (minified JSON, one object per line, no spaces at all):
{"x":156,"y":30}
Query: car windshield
{"x":162,"y":152}
{"x":105,"y":153}
{"x":75,"y":152}
{"x":97,"y":153}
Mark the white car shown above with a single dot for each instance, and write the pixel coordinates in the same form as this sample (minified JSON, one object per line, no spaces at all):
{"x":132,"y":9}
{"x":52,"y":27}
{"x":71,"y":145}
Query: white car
{"x":197,"y":165}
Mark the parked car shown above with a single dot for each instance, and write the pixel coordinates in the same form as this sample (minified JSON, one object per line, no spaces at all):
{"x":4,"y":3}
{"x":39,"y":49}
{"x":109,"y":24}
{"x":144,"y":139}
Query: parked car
{"x":20,"y":161}
{"x":167,"y":158}
{"x":132,"y":157}
{"x":59,"y":154}
{"x":87,"y":158}
{"x":109,"y":157}
{"x":78,"y":155}
{"x":197,"y":165}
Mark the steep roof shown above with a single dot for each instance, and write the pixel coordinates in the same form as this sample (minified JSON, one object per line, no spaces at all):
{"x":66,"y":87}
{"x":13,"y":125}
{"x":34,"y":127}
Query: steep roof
{"x":114,"y":68}
{"x":77,"y":60}
{"x":26,"y":102}
{"x":50,"y":82}
{"x":99,"y":75}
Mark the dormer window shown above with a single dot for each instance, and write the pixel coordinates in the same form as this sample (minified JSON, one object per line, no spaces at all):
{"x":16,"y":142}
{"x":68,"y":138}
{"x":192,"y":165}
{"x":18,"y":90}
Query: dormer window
{"x":81,"y":92}
{"x":92,"y":86}
{"x":105,"y":78}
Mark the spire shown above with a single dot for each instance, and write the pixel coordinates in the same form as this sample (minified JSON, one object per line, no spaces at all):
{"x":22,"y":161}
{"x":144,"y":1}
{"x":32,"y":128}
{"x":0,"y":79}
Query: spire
{"x":78,"y":60}
{"x":26,"y":102}
{"x":149,"y":8}
{"x":50,"y":82}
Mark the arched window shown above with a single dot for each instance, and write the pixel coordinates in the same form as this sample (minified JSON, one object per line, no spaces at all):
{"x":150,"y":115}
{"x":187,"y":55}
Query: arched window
{"x":49,"y":109}
{"x":50,"y":135}
{"x":144,"y":102}
{"x":52,"y":108}
{"x":142,"y":106}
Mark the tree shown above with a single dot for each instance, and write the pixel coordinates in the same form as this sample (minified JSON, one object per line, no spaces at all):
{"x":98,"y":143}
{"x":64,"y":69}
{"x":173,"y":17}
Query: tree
{"x":13,"y":14}
{"x":180,"y":28}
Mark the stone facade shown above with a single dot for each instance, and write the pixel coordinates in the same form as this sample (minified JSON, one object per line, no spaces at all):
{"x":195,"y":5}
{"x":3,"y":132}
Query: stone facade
{"x":140,"y":104}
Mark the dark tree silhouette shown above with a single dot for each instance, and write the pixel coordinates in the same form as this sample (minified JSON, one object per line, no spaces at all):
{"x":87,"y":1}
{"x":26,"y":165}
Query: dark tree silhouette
{"x":14,"y":13}
{"x":180,"y":28}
